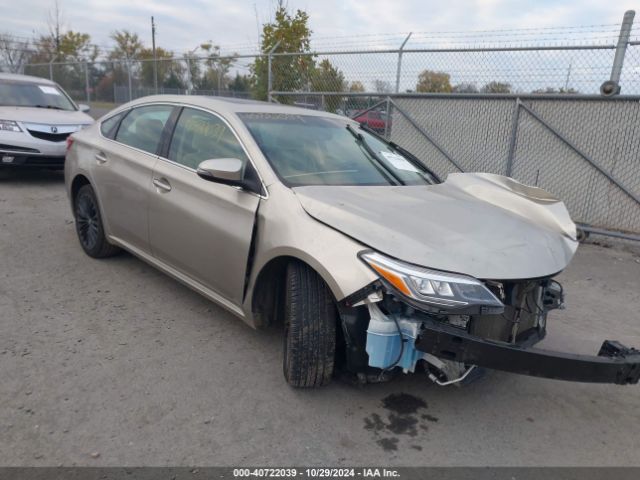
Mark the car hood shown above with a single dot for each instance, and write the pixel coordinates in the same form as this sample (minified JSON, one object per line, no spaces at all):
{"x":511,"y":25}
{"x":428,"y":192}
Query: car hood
{"x":45,"y":115}
{"x":479,"y":224}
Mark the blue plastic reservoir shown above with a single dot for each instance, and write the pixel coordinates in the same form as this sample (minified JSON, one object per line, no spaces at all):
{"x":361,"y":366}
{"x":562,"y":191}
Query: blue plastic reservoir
{"x":384,"y":341}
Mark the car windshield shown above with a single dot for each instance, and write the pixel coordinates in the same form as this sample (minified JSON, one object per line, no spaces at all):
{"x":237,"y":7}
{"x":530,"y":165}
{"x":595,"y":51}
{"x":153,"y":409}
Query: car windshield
{"x":22,"y":94}
{"x":315,"y":150}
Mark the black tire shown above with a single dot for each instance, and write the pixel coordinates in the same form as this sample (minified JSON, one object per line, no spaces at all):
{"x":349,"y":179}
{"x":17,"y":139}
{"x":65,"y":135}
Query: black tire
{"x":310,"y":328}
{"x":89,"y":225}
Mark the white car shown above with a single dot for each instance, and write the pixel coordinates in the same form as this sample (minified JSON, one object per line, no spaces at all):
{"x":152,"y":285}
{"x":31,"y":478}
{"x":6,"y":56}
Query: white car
{"x":36,"y":117}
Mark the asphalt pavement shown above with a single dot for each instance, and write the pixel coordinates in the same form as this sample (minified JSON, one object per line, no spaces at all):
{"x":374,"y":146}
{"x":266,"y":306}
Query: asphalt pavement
{"x":110,"y":362}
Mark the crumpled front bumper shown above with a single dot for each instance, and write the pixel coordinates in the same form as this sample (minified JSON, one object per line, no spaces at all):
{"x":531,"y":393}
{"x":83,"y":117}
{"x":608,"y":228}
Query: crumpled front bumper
{"x":614,"y":363}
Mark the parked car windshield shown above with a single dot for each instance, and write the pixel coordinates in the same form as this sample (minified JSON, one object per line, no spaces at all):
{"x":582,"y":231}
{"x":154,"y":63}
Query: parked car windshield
{"x":22,"y":94}
{"x":315,"y":150}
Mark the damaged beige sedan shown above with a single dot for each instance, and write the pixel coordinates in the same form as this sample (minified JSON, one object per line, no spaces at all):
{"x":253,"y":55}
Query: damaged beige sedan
{"x":372,"y":263}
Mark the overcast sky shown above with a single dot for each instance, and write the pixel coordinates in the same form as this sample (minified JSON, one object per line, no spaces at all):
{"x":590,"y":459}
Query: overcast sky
{"x":182,"y":25}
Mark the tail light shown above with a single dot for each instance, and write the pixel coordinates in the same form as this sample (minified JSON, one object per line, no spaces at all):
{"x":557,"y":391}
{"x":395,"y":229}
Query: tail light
{"x":69,"y":142}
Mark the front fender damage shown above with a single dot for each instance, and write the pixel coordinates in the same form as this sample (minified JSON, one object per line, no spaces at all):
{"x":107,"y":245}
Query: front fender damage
{"x":384,"y":333}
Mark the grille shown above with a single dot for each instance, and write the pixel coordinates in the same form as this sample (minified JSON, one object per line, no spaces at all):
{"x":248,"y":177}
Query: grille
{"x":50,"y":137}
{"x":13,"y":148}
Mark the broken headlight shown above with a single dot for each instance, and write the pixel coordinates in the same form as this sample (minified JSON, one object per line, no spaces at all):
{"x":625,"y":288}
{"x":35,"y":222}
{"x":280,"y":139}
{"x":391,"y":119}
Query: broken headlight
{"x":441,"y":290}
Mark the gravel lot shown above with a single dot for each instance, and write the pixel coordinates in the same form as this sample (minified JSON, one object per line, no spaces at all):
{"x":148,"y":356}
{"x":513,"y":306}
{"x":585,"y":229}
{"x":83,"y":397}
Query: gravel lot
{"x":113,"y":363}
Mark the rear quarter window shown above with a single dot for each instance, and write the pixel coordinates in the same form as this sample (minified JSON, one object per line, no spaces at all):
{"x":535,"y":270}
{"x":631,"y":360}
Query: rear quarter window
{"x":109,"y":126}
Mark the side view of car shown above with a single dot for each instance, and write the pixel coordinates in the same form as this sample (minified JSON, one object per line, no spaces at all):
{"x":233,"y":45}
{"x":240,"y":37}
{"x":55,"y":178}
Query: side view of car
{"x":36,"y":117}
{"x":370,"y":261}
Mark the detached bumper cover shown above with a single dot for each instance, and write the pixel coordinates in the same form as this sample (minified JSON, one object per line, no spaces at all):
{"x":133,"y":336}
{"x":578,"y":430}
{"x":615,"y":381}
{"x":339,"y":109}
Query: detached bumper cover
{"x":614,"y":363}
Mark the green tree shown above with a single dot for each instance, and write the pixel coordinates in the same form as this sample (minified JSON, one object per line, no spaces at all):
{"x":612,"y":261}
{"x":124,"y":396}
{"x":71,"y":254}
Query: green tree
{"x":70,"y":49}
{"x":240,"y":84}
{"x":70,"y":46}
{"x":496,"y":87}
{"x":356,"y":87}
{"x":193,"y":70}
{"x":465,"y":87}
{"x":215,"y":76}
{"x":128,"y":45}
{"x":289,"y":73}
{"x":327,"y":78}
{"x":430,"y":81}
{"x":569,"y":90}
{"x":170,"y":72}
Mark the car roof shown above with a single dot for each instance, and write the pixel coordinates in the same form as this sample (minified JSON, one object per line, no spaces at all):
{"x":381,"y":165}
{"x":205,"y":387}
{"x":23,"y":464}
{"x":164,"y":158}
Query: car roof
{"x":230,"y":105}
{"x":14,"y":77}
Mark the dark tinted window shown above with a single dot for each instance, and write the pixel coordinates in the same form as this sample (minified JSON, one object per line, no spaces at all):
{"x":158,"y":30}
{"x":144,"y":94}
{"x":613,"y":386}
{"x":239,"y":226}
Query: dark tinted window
{"x":109,"y":126}
{"x":142,"y":127}
{"x":200,"y":136}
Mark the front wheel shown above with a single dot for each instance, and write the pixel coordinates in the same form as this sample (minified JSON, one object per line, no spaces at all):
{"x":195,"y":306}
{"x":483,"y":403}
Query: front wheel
{"x":310,"y":328}
{"x":89,"y":225}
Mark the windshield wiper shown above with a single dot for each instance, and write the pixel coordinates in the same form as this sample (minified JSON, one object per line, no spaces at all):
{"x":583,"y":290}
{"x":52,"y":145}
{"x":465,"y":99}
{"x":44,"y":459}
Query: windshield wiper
{"x":382,"y":167}
{"x":52,"y":107}
{"x":413,"y":158}
{"x":405,"y":153}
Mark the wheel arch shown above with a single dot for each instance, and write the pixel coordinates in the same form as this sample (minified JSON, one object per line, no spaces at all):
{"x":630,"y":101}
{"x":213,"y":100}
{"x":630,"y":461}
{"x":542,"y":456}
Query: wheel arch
{"x":77,"y":183}
{"x":265,"y":298}
{"x":80,"y":180}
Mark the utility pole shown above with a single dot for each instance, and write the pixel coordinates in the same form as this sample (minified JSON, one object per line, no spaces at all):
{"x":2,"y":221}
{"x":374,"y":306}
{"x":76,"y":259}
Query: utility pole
{"x":155,"y":62}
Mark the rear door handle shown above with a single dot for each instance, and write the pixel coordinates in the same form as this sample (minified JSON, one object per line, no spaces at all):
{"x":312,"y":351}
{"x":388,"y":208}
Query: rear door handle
{"x":162,"y":184}
{"x":101,"y":157}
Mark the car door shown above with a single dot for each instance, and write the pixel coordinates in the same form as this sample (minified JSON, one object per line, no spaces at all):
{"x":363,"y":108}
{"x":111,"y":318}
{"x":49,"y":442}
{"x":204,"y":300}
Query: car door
{"x":123,"y":172}
{"x":201,"y":228}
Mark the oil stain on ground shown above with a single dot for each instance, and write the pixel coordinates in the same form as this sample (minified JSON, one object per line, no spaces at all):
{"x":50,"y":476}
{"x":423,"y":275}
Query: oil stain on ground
{"x":402,"y":418}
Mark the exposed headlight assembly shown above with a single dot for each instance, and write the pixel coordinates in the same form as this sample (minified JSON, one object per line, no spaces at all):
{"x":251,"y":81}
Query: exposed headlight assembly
{"x":9,"y":126}
{"x":436,"y":290}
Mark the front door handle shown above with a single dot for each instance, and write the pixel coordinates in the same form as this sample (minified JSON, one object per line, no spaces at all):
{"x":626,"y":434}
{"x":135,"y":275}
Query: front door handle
{"x":162,"y":184}
{"x":101,"y":157}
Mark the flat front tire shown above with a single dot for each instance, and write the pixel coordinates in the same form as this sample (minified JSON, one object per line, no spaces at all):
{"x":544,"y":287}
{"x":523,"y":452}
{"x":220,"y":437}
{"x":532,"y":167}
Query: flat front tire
{"x":310,"y":328}
{"x":89,"y":225}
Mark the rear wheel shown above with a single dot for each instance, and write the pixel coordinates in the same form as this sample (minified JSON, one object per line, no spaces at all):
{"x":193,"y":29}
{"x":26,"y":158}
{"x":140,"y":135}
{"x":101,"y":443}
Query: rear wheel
{"x":89,"y":225}
{"x":310,"y":328}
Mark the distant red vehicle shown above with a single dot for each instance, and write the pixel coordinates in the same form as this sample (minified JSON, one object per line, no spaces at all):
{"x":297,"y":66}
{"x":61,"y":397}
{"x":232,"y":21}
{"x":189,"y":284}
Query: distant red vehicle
{"x":375,"y":120}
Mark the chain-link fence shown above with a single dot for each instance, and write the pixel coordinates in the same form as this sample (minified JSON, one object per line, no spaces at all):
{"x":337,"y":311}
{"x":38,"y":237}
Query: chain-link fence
{"x":572,"y":60}
{"x":555,"y":108}
{"x":119,"y":81}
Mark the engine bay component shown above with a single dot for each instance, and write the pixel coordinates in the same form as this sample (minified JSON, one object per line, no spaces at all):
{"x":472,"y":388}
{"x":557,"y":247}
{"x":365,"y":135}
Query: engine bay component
{"x":399,"y":335}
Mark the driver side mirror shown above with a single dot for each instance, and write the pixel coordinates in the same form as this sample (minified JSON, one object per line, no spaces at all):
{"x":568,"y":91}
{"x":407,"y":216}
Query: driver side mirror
{"x":228,"y":171}
{"x":83,"y":107}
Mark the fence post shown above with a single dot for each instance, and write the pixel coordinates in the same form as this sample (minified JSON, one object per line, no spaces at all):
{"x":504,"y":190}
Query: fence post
{"x":269,"y":73}
{"x":86,"y":82}
{"x":129,"y":78}
{"x":189,"y":79}
{"x":51,"y":67}
{"x":388,"y":119}
{"x":398,"y":71}
{"x":612,"y":86}
{"x":513,"y":137}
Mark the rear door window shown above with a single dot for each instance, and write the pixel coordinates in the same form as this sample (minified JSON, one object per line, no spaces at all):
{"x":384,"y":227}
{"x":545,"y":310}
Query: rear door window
{"x":142,"y":128}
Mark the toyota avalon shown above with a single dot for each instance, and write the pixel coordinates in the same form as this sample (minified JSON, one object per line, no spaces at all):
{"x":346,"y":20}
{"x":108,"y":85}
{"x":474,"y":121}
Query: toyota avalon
{"x":371,"y":261}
